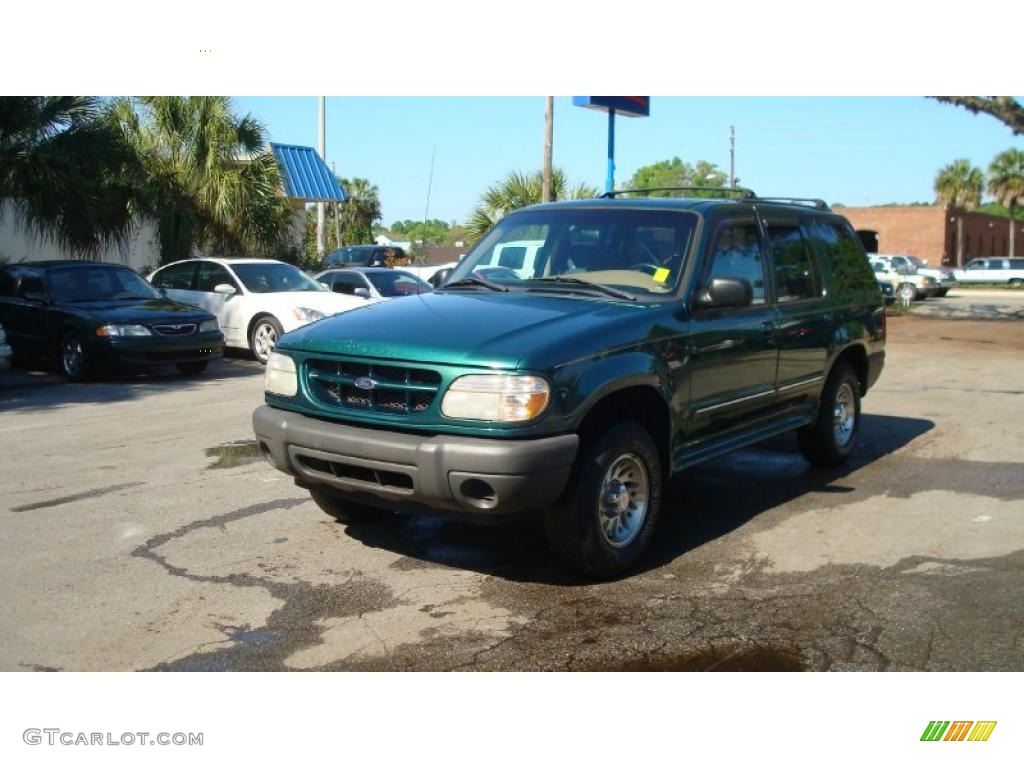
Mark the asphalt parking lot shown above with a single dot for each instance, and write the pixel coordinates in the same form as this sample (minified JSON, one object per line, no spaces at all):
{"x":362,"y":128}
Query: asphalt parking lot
{"x":141,"y":532}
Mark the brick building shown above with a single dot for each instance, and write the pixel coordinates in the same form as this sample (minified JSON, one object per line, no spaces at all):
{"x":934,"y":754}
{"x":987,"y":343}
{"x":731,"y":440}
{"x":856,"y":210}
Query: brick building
{"x":929,"y":232}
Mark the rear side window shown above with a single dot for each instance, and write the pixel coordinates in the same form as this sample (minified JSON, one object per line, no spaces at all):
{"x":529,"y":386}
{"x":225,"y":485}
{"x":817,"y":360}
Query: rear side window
{"x":176,"y":276}
{"x":796,"y":273}
{"x":737,"y":253}
{"x":844,"y":254}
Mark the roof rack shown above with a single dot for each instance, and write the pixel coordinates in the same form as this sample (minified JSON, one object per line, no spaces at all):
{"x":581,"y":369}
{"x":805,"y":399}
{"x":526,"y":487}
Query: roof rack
{"x":813,"y":202}
{"x":741,"y":192}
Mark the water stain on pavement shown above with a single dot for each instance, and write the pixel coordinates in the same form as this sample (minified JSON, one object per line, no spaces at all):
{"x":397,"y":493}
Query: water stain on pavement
{"x":90,"y":494}
{"x":234,"y":454}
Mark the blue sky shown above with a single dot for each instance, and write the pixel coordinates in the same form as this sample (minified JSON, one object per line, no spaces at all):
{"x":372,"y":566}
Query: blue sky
{"x":853,"y":150}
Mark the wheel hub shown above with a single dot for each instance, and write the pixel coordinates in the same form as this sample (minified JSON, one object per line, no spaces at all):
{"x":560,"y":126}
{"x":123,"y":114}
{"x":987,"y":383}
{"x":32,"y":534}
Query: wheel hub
{"x":623,"y":500}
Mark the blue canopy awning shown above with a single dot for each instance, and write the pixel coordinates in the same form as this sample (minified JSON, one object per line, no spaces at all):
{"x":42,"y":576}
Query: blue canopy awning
{"x":306,"y":175}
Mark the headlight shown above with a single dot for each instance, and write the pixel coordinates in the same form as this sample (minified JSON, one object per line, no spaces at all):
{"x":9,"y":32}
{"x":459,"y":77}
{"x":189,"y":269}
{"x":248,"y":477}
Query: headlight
{"x":123,"y":330}
{"x":307,"y":315}
{"x":279,"y":377}
{"x":496,"y":397}
{"x":209,"y":326}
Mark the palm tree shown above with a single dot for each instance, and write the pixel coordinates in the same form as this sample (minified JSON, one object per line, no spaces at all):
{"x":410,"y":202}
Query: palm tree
{"x":64,"y":173}
{"x":958,"y":185}
{"x":1006,"y":183}
{"x":206,"y":176}
{"x":520,"y":189}
{"x":360,"y":211}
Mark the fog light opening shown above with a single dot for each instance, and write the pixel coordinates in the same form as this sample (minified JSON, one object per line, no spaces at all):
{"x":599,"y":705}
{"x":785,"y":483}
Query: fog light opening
{"x":479,"y":494}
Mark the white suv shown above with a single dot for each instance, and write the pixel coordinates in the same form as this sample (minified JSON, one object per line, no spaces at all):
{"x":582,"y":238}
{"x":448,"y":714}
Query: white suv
{"x":909,"y":287}
{"x":1010,"y":271}
{"x":255,"y":300}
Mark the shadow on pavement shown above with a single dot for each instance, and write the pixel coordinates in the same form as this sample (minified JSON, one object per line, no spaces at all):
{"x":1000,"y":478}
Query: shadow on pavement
{"x":702,"y":504}
{"x":39,"y":389}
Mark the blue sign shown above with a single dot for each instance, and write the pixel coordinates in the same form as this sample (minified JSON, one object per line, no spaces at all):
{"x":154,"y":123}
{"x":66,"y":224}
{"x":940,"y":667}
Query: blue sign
{"x":631,"y":106}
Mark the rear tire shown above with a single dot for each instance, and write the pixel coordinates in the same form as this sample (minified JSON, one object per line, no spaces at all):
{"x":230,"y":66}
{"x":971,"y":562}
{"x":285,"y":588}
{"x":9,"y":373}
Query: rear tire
{"x":1016,"y":282}
{"x":345,"y":511}
{"x":608,"y":515}
{"x":263,"y":337}
{"x":191,"y":369}
{"x":830,"y":440}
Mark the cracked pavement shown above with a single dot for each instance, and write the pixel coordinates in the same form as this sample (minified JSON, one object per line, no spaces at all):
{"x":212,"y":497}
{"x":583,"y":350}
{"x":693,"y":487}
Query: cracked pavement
{"x":126,"y":548}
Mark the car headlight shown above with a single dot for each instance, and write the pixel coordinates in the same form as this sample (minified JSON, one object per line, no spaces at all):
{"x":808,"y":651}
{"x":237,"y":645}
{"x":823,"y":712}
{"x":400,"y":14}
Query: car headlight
{"x":307,"y":315}
{"x":123,"y":330}
{"x":496,"y":397}
{"x":279,"y":378}
{"x":209,"y":326}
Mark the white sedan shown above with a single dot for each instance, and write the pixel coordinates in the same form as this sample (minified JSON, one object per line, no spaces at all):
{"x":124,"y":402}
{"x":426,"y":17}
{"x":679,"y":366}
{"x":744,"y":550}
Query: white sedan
{"x":255,"y":300}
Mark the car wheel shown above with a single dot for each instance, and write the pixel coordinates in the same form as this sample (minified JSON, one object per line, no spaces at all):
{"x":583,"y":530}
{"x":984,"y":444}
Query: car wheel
{"x":1016,"y":282}
{"x":830,"y":440}
{"x":345,"y":511}
{"x":941,"y":292}
{"x":191,"y":369}
{"x":907,"y":292}
{"x":74,"y":362}
{"x":607,"y":517}
{"x":263,"y":338}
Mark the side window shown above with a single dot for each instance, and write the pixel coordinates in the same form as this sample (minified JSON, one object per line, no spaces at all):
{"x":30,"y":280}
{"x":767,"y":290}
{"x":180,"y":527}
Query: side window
{"x":31,"y":285}
{"x":347,"y":284}
{"x":177,"y":276}
{"x":737,"y":253}
{"x":796,"y":274}
{"x":976,"y":265}
{"x":845,"y":256}
{"x":512,"y":256}
{"x":210,"y":275}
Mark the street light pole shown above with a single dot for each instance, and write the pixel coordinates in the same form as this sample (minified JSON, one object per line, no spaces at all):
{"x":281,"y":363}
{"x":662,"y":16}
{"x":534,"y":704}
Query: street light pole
{"x":549,"y":122}
{"x":732,"y":156}
{"x":609,"y":182}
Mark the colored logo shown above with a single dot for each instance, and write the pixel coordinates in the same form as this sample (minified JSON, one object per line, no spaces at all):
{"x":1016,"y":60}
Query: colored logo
{"x":958,"y":730}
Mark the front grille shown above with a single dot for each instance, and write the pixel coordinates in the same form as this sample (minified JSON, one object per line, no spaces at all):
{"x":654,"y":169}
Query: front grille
{"x":384,"y":388}
{"x":383,"y":478}
{"x":180,"y":329}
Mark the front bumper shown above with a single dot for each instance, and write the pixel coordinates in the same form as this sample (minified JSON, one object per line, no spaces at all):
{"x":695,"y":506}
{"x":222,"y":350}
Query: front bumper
{"x":465,"y":476}
{"x":155,"y":350}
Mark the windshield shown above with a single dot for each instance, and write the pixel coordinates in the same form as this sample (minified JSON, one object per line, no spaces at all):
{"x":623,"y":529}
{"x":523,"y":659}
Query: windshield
{"x":396,"y":283}
{"x":99,"y":283}
{"x":639,"y":251}
{"x":274,"y":277}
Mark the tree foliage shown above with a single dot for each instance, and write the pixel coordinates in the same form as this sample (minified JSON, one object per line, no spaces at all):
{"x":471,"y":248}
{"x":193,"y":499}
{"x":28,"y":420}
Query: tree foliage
{"x":959,"y":185}
{"x":204,"y":175}
{"x":676,"y":173}
{"x":66,"y":173}
{"x":1006,"y":184}
{"x":519,"y":189}
{"x":1006,"y":109}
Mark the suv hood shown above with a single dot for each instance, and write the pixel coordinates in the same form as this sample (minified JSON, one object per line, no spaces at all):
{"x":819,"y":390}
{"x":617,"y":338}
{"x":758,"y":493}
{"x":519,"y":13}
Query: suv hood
{"x":473,"y":328}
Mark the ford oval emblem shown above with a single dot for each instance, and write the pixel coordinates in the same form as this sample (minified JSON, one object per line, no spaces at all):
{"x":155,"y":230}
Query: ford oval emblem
{"x":365,"y":382}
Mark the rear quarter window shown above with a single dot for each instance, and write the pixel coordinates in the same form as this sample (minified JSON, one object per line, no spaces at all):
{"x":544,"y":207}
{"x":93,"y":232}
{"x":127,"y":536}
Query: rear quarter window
{"x":841,"y":250}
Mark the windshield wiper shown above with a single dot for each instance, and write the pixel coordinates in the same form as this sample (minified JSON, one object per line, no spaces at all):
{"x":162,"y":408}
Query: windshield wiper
{"x":577,"y":284}
{"x":475,"y":281}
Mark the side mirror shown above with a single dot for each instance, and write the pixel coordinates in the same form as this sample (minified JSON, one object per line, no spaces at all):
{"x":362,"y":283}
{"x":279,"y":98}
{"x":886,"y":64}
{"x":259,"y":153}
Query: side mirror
{"x":224,"y":289}
{"x":362,"y":293}
{"x":726,"y":292}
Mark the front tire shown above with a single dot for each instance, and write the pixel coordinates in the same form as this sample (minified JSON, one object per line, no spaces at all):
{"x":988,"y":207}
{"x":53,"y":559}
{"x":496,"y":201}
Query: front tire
{"x":345,"y":511}
{"x":263,"y":337}
{"x":907,"y":292}
{"x":830,"y":440}
{"x":75,"y":363}
{"x":608,"y":515}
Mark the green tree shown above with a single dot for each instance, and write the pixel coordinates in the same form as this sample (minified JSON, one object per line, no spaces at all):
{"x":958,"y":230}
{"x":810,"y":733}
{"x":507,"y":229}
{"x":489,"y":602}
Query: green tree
{"x":676,"y":173}
{"x":517,"y":190}
{"x":65,"y":173}
{"x":360,"y":211}
{"x":204,"y":175}
{"x":958,"y":185}
{"x":1006,"y":183}
{"x":1006,"y":109}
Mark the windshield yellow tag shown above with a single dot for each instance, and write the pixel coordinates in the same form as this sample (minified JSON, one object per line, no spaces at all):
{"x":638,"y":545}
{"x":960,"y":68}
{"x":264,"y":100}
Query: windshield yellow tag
{"x":660,"y":275}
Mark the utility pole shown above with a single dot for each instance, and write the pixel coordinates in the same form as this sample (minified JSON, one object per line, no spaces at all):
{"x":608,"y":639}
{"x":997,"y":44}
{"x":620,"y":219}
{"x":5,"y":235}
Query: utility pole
{"x":732,"y":156}
{"x":549,"y":123}
{"x":321,"y":217}
{"x":426,"y":209}
{"x":337,"y":212}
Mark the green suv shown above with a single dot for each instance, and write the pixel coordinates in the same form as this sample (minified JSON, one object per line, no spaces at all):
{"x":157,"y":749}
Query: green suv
{"x":643,"y":336}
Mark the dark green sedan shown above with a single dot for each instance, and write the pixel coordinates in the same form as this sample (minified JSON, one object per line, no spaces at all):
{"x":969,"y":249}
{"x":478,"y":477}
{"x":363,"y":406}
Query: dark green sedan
{"x":91,"y":317}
